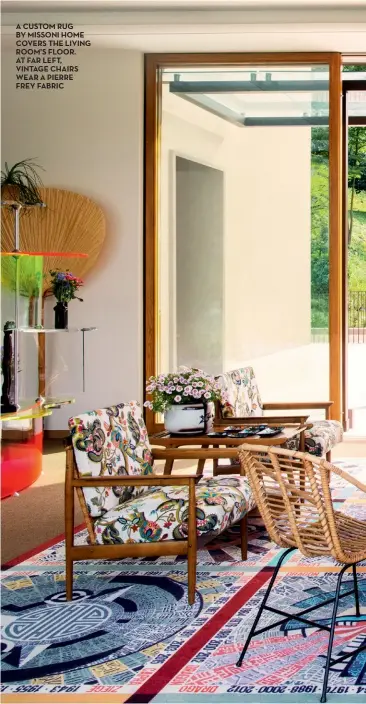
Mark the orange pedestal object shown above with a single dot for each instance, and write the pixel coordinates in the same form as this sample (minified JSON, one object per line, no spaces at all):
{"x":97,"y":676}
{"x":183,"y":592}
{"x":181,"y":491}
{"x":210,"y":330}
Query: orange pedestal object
{"x":21,"y":461}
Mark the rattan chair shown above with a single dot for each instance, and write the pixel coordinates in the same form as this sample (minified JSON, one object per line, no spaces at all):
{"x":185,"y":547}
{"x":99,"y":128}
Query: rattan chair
{"x":292,"y":492}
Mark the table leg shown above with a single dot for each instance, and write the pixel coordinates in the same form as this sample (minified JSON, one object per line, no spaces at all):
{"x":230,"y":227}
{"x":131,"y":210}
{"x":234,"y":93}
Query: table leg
{"x":168,"y":466}
{"x":244,"y":537}
{"x":215,"y":467}
{"x":302,"y":475}
{"x":200,"y":467}
{"x":201,"y":463}
{"x":302,"y":436}
{"x":226,"y":469}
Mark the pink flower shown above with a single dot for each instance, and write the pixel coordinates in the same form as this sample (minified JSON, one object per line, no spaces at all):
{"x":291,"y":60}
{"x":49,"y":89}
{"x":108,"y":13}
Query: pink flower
{"x":177,"y":398}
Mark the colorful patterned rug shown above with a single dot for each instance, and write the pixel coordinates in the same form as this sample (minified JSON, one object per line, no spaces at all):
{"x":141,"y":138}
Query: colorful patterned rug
{"x":130,"y":636}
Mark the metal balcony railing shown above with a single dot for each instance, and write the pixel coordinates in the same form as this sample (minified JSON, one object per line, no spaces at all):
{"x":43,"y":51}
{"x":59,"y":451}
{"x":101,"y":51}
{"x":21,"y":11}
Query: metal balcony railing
{"x":356,"y":320}
{"x":357,"y":316}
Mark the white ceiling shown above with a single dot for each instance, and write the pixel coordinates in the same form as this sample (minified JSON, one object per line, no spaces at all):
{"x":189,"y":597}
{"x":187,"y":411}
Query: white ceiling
{"x":188,"y":38}
{"x":74,"y":5}
{"x":255,"y":25}
{"x":214,"y":10}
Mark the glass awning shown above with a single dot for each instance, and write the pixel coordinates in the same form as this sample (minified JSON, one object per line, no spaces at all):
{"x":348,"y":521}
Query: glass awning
{"x":260,"y":96}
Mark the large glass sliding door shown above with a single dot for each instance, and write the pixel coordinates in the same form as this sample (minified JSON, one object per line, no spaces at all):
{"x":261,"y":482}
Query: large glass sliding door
{"x":242,"y":220}
{"x":354,"y":180}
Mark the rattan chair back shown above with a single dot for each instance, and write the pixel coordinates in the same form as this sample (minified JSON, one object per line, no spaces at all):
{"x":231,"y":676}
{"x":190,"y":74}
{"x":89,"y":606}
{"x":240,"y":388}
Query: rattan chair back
{"x":293,"y":494}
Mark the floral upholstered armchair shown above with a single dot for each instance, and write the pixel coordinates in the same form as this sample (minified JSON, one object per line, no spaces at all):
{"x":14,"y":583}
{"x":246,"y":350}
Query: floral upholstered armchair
{"x":244,"y":400}
{"x":132,"y":512}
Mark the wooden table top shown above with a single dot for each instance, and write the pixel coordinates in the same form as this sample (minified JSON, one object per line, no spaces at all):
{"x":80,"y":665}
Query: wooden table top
{"x":165,"y":440}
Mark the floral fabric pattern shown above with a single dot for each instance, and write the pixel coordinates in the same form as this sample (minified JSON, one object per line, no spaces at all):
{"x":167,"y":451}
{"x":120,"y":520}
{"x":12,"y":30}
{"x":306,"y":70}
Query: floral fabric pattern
{"x":162,"y":514}
{"x":242,"y":394}
{"x":324,"y":435}
{"x":111,"y":441}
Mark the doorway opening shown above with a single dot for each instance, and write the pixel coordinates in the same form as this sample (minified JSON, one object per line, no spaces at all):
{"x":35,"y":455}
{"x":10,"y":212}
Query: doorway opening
{"x":253,"y":126}
{"x":199,"y":228}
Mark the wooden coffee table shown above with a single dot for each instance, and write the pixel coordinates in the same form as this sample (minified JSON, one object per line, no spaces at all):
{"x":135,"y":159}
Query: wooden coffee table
{"x":164,"y":439}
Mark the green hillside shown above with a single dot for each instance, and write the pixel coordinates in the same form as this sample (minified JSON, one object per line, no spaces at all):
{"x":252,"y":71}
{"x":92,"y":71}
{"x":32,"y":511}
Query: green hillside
{"x":320,"y":222}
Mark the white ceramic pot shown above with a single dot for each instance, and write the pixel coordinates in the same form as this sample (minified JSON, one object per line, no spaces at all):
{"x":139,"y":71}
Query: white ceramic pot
{"x":189,"y":419}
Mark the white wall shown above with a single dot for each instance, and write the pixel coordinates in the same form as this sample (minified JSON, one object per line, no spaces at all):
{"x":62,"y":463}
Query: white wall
{"x":89,"y":139}
{"x":266,"y":224}
{"x":267,"y":254}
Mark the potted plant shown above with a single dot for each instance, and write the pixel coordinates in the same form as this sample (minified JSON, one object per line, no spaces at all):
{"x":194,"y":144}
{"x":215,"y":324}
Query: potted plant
{"x":63,"y":286}
{"x":186,"y":398}
{"x":21,"y":183}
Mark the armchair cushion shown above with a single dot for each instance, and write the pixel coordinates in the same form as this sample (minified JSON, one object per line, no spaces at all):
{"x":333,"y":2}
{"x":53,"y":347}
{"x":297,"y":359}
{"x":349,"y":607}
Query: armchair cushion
{"x":111,"y":441}
{"x":242,"y":393}
{"x":323,"y":436}
{"x":162,"y":513}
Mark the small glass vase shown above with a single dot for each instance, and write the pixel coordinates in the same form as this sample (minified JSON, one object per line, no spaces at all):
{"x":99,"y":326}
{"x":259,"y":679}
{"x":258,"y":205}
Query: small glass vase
{"x":61,"y":315}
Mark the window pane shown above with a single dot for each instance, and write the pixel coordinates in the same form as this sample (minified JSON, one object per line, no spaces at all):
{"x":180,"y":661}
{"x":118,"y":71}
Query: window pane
{"x":243,"y":235}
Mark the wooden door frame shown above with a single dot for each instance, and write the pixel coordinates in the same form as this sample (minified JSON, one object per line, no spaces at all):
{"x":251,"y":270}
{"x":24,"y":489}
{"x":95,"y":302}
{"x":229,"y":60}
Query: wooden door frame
{"x":345,"y":420}
{"x":348,"y":85}
{"x":154,"y":63}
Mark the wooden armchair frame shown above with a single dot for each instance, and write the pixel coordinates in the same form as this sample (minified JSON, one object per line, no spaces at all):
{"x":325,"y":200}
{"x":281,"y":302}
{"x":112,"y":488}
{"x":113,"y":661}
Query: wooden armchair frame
{"x":187,"y":547}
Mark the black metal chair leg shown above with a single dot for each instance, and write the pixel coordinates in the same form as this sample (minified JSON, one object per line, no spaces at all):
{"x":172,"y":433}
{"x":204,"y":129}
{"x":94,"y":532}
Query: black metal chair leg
{"x":264,"y":601}
{"x":357,"y":598}
{"x":331,"y":635}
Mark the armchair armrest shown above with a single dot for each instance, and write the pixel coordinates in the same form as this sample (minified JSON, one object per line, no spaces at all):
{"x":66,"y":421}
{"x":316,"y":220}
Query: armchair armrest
{"x":296,"y":406}
{"x":75,"y":480}
{"x":139,"y":480}
{"x":313,"y":405}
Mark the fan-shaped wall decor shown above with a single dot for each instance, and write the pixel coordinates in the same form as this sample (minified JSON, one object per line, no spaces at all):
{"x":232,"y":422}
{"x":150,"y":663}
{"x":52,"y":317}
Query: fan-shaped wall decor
{"x":70,"y":223}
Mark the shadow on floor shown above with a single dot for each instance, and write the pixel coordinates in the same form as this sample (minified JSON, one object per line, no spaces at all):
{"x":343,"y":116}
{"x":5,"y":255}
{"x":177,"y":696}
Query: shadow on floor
{"x":33,"y":518}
